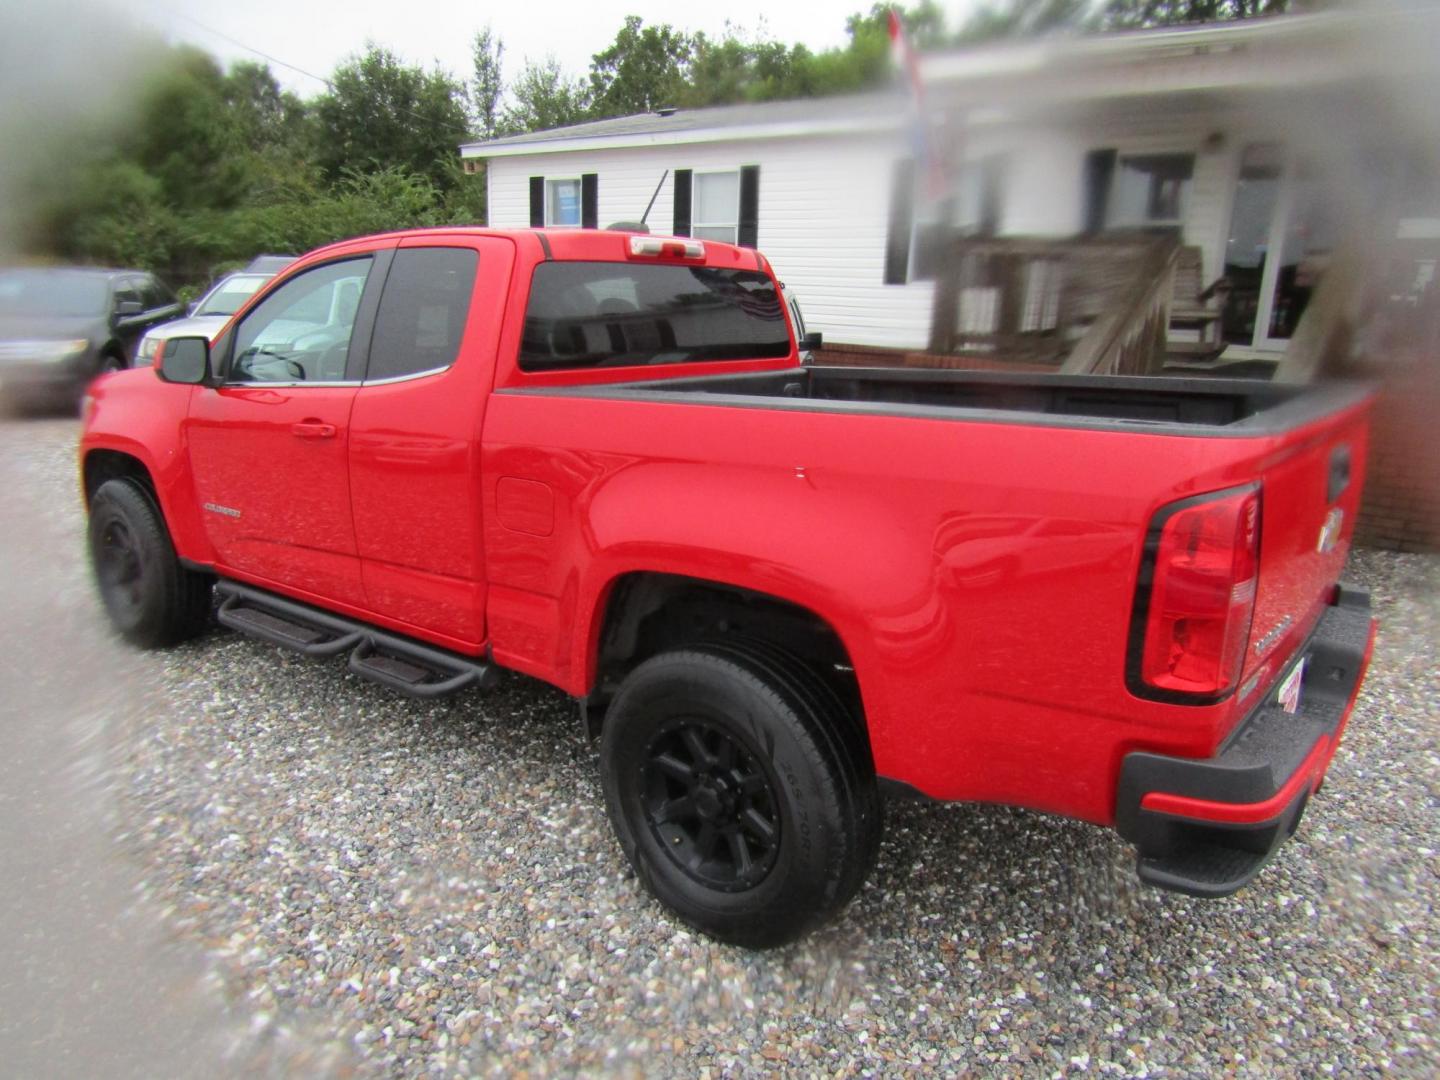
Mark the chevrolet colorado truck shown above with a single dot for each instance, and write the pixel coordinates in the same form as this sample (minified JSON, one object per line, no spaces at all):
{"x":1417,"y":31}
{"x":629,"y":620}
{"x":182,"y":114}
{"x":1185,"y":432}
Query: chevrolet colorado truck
{"x":777,"y":591}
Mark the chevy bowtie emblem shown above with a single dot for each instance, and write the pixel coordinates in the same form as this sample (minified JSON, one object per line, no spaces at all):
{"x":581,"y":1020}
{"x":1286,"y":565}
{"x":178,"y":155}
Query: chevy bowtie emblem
{"x":1330,"y":531}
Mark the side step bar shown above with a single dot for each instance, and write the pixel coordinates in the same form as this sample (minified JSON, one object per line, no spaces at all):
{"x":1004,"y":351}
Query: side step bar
{"x":421,"y":671}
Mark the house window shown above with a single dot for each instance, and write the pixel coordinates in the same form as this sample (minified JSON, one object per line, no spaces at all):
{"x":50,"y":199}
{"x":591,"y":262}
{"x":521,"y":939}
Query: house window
{"x":562,"y":201}
{"x":1151,"y":190}
{"x":970,"y":206}
{"x":716,"y":212}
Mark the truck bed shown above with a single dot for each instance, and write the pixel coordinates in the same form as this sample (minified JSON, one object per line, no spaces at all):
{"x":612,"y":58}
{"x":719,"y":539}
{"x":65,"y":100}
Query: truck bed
{"x":1188,"y":406}
{"x":984,"y":532}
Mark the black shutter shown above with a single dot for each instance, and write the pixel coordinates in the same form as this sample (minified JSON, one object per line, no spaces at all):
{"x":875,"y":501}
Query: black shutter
{"x":537,"y":202}
{"x":901,"y":221}
{"x":590,"y":201}
{"x":749,"y":205}
{"x":1099,"y":175}
{"x":681,"y":225}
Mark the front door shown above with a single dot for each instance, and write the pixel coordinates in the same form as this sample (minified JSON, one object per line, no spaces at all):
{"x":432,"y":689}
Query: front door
{"x":269,"y":447}
{"x":1283,"y":230}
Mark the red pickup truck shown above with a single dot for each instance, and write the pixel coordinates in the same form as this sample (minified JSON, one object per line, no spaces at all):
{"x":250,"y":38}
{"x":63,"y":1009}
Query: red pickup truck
{"x":777,"y":591}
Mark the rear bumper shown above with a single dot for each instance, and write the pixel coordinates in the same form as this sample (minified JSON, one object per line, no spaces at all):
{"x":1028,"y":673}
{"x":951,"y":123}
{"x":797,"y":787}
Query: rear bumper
{"x":1206,"y":827}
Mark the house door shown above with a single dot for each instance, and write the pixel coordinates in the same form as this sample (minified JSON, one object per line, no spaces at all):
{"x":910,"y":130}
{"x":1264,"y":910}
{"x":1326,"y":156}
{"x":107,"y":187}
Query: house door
{"x":1283,"y":231}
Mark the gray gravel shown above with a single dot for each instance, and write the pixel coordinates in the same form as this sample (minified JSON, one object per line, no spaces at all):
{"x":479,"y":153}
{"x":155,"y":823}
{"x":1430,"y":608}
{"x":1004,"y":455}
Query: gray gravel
{"x":407,"y":888}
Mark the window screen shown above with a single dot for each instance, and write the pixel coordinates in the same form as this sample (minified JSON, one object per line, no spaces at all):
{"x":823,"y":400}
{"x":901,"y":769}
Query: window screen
{"x":422,"y":311}
{"x":562,"y":206}
{"x":716,"y":206}
{"x":1151,"y":189}
{"x":617,"y":314}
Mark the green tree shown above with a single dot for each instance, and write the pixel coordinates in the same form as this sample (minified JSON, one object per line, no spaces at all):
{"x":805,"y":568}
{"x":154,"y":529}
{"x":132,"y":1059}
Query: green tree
{"x":731,"y":68}
{"x":1130,"y":14}
{"x":186,"y":136}
{"x":383,"y":114}
{"x":644,"y":68}
{"x":488,"y":84}
{"x":544,"y":97}
{"x":1024,"y":18}
{"x":267,"y":117}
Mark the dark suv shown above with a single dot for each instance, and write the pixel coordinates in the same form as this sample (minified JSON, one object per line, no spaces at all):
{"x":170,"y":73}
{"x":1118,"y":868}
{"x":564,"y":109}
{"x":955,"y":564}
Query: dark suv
{"x":62,"y":326}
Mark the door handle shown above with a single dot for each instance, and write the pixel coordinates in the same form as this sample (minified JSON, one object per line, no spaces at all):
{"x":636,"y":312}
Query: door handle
{"x":312,"y":429}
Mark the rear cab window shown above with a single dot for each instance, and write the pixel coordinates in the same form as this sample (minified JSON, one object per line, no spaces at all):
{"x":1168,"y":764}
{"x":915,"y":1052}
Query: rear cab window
{"x":588,"y":315}
{"x":422,"y":312}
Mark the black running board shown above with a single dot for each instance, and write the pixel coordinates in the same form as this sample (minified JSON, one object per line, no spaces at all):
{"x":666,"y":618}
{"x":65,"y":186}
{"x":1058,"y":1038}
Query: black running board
{"x":400,"y":663}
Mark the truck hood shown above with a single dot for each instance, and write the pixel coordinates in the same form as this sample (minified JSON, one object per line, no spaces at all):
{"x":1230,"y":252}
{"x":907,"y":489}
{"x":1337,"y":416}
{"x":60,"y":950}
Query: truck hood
{"x":195,"y":326}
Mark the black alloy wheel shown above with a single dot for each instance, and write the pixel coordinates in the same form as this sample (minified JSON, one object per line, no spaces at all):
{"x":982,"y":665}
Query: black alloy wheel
{"x":152,"y":600}
{"x":118,"y":570}
{"x":712,"y":805}
{"x":741,"y":789}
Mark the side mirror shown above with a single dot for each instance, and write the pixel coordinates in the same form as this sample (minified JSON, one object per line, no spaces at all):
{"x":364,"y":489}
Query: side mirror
{"x":125,"y":308}
{"x":185,"y":360}
{"x":812,"y":341}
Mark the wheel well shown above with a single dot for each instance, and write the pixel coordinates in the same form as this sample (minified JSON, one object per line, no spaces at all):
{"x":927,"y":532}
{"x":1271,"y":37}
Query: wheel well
{"x":649,"y":613}
{"x":103,"y":465}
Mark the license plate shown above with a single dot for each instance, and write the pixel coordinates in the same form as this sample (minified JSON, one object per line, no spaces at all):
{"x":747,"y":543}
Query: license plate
{"x":1289,"y":693}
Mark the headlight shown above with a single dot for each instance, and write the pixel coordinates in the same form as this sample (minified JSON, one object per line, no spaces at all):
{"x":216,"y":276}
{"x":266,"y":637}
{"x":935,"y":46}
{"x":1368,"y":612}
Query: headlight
{"x":42,"y":350}
{"x":145,"y":354}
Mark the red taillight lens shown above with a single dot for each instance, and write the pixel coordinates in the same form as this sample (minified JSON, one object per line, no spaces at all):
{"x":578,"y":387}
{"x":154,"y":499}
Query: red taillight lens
{"x":1202,"y":595}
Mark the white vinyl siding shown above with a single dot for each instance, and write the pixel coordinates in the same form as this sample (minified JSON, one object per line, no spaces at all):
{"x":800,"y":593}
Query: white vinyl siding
{"x":824,"y":204}
{"x":823,"y":229}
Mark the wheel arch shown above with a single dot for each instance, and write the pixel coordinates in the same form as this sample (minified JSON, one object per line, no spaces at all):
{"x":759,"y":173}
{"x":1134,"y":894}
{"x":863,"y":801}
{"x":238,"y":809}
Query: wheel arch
{"x":101,"y":465}
{"x":641,"y":613}
{"x":116,"y":349}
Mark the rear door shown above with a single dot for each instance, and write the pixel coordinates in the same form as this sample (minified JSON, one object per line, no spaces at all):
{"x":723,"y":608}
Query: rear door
{"x":270,"y":447}
{"x":414,"y":448}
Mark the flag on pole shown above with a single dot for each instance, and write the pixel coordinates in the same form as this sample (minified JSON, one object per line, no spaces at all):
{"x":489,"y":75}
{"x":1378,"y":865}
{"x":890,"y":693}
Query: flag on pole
{"x":926,"y":152}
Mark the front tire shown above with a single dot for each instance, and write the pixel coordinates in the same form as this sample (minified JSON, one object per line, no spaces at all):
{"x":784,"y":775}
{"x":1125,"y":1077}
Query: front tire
{"x":741,"y":794}
{"x":151,"y":599}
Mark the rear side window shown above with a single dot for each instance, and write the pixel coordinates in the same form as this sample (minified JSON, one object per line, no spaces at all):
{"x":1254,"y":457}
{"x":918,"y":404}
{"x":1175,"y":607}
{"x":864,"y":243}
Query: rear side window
{"x":155,"y":294}
{"x":422,"y":311}
{"x":586,"y":315}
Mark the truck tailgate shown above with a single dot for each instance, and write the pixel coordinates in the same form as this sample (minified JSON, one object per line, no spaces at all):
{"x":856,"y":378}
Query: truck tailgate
{"x":1310,"y":496}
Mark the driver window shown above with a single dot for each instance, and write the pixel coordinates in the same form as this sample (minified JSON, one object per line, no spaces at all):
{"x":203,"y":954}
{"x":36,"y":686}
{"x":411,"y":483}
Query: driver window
{"x":301,"y":331}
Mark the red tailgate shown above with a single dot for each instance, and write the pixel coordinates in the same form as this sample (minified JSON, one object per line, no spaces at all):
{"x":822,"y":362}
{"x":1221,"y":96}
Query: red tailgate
{"x":1311,"y":483}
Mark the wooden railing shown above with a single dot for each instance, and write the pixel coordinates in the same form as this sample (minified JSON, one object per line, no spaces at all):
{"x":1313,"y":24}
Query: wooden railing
{"x":1129,"y":339}
{"x":1084,"y":305}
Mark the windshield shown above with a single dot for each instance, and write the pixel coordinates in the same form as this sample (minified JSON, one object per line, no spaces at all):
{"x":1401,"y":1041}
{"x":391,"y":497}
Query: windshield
{"x":51,"y":292}
{"x":227,"y":297}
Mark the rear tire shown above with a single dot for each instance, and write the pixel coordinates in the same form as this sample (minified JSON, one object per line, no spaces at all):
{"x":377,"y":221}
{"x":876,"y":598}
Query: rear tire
{"x":151,"y":599}
{"x":740,"y":791}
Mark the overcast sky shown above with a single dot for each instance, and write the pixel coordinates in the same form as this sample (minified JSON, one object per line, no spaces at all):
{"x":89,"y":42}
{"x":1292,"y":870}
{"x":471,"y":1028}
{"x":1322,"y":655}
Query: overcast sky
{"x":314,"y":36}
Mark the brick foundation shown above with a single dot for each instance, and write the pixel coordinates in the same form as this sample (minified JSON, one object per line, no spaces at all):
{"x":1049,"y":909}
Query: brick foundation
{"x":1401,"y":508}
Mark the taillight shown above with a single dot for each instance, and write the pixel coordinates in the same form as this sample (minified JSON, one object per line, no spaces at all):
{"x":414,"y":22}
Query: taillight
{"x":1197,"y":596}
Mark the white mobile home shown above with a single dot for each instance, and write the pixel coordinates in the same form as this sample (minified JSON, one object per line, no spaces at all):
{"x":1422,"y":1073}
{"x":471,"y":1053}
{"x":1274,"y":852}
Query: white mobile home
{"x":1218,"y":134}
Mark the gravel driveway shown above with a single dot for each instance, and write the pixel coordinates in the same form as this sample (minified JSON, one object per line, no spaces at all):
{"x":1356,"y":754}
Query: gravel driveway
{"x":402,"y":888}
